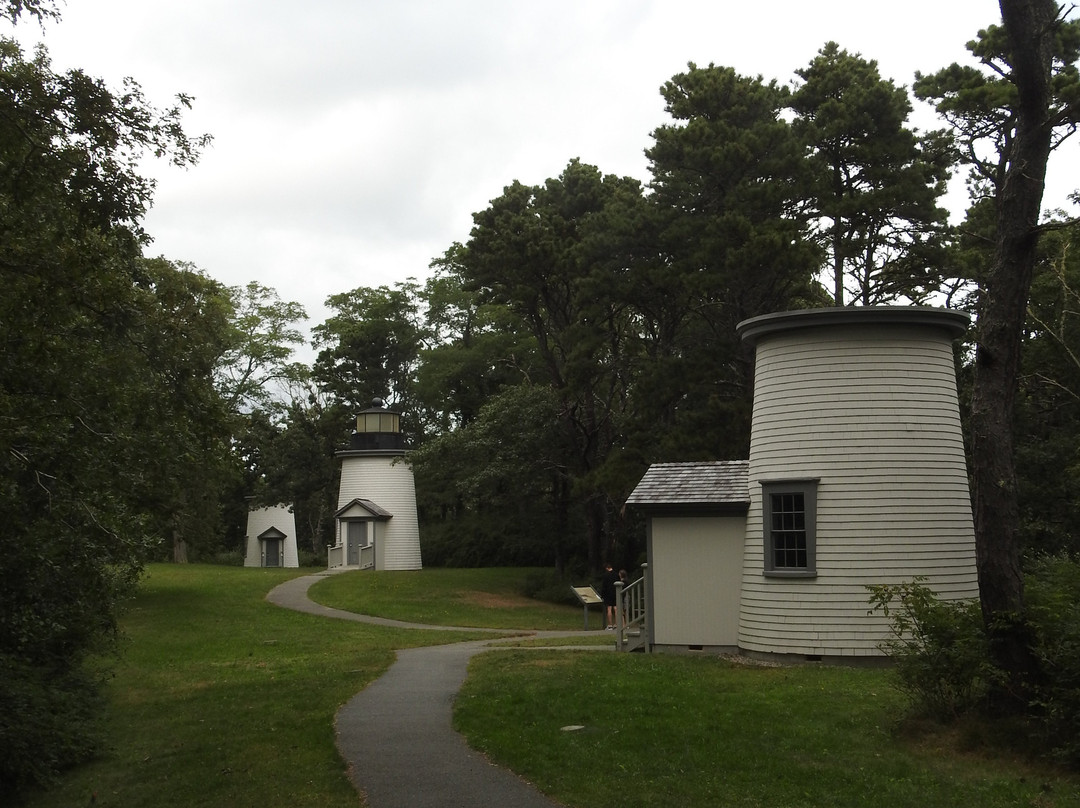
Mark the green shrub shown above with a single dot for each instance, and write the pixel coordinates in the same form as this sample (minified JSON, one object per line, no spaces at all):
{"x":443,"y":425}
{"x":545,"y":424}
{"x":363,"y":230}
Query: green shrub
{"x":227,"y":558}
{"x":1052,"y":587}
{"x":549,"y":586}
{"x":940,"y":648}
{"x":48,"y":722}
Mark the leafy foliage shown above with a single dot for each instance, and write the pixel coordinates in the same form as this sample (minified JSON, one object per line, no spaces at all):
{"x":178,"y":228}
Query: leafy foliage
{"x":264,"y":330}
{"x":87,"y":400}
{"x":981,"y":106}
{"x":939,"y":646}
{"x":1053,"y":592}
{"x":370,"y":348}
{"x":945,"y":667}
{"x":473,"y":347}
{"x":1048,"y":405}
{"x":873,"y":183}
{"x":495,"y":486}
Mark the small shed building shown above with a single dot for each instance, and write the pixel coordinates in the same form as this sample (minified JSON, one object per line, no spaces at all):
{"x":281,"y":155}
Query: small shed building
{"x":696,"y":529}
{"x":271,"y":537}
{"x":856,"y":476}
{"x":376,"y":522}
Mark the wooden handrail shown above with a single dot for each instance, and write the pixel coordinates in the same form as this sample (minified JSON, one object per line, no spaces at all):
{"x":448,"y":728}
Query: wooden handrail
{"x":631,"y":614}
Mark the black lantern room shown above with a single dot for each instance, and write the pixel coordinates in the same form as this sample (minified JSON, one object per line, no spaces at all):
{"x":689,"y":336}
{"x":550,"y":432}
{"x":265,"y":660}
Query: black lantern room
{"x":378,"y":428}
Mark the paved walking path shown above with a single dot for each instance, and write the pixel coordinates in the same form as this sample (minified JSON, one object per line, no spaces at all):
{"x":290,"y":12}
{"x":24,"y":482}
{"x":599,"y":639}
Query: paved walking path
{"x":396,"y":734}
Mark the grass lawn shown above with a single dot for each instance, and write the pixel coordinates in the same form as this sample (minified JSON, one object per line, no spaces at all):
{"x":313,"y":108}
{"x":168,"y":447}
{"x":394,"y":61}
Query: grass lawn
{"x":222,"y":699}
{"x":701,"y":731}
{"x":488,"y":598}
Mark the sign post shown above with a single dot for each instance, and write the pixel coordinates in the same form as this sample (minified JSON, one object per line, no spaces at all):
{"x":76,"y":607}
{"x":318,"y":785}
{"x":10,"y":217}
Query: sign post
{"x":587,"y":595}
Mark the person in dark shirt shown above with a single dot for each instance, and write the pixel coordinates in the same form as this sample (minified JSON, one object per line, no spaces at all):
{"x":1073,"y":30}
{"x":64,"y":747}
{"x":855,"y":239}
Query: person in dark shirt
{"x":607,"y":594}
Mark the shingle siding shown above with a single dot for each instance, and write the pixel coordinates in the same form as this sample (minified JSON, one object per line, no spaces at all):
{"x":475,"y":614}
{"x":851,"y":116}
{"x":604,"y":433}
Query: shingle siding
{"x":872,"y":413}
{"x":260,"y":520}
{"x":387,"y":482}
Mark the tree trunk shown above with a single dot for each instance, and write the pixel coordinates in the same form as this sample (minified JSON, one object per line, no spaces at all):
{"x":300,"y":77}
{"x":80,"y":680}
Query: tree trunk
{"x":180,"y":555}
{"x":1030,"y":26}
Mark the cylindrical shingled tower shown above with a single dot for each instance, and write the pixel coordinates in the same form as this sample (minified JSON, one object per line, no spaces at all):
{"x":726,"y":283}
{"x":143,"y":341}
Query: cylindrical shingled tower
{"x":857,"y":474}
{"x":376,"y":518}
{"x":271,"y":537}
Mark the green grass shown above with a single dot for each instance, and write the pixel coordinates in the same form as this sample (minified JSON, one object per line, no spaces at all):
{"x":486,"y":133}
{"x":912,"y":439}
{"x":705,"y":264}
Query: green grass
{"x":701,"y":731}
{"x":222,"y":699}
{"x":583,"y":640}
{"x":448,"y":597}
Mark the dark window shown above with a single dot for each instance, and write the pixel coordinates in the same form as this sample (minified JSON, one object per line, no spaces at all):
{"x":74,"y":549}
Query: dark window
{"x":789,"y":515}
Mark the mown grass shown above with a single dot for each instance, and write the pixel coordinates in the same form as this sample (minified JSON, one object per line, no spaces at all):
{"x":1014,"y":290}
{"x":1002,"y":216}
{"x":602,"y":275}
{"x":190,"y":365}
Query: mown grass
{"x":490,"y":598}
{"x":222,"y":699}
{"x":701,"y":731}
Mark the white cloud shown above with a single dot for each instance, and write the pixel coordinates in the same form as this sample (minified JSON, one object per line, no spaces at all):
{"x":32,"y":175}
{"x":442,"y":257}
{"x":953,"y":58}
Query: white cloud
{"x":355,"y":138}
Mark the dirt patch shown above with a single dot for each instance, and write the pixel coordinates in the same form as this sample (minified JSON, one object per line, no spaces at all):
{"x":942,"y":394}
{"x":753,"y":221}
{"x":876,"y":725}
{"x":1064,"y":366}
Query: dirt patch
{"x":489,"y":600}
{"x":544,"y":663}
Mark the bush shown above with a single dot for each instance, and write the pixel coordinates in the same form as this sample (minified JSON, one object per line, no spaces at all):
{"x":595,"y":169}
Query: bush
{"x":549,"y":586}
{"x":48,"y":723}
{"x":1053,"y":604}
{"x":228,"y":558}
{"x":940,"y":648}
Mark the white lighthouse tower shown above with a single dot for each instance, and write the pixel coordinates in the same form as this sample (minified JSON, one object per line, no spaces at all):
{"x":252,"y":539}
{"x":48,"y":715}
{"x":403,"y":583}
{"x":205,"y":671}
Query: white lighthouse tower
{"x":271,"y":537}
{"x":857,"y":474}
{"x":376,"y":525}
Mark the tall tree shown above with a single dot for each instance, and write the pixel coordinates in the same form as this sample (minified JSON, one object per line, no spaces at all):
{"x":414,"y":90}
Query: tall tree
{"x":495,"y":491}
{"x":75,"y":311}
{"x":290,"y":459}
{"x":1008,"y":122}
{"x":873,"y":183}
{"x":547,"y":253}
{"x":730,"y":244}
{"x":475,"y":347}
{"x":370,"y":347}
{"x":184,"y":457}
{"x":264,"y":331}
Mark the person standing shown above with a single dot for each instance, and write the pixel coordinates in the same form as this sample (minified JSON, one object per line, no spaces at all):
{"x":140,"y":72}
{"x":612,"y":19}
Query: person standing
{"x":607,"y":594}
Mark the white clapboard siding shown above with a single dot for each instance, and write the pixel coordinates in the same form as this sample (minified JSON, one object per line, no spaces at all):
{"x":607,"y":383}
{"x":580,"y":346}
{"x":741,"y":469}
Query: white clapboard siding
{"x":871,"y":412}
{"x":388,"y":482}
{"x":260,"y":520}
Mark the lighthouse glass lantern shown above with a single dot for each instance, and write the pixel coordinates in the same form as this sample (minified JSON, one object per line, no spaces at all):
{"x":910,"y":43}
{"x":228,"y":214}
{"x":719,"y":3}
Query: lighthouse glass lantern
{"x":378,"y":428}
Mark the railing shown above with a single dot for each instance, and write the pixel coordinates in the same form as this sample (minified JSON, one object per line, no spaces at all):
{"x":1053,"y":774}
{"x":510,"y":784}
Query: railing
{"x":631,"y":618}
{"x":335,"y":556}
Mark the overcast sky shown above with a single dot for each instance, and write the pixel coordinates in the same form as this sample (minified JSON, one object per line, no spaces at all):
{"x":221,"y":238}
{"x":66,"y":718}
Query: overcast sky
{"x":354,"y":139}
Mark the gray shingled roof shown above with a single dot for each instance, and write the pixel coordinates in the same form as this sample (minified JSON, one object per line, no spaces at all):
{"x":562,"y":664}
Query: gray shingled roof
{"x":367,"y":505}
{"x":720,"y":484}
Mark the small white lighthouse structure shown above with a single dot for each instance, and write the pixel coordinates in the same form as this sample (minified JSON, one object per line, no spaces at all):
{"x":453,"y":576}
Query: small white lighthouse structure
{"x":376,"y":525}
{"x":856,"y":476}
{"x":271,"y":537}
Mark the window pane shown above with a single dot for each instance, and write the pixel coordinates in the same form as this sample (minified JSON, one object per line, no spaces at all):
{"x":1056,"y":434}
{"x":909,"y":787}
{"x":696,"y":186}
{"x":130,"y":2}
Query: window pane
{"x":788,"y":530}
